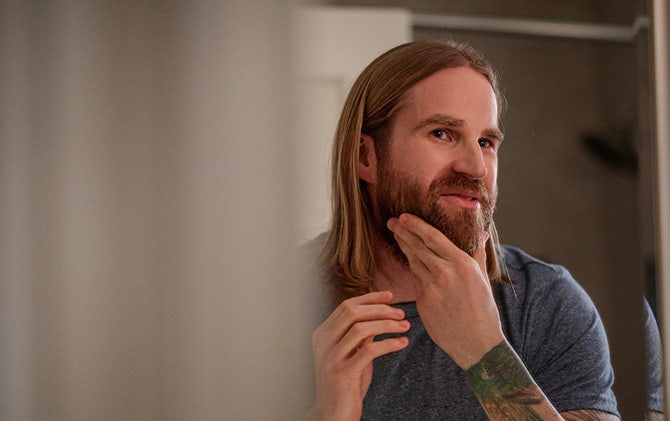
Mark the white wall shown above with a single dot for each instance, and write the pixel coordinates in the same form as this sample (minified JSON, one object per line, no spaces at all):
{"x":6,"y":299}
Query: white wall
{"x":332,"y":45}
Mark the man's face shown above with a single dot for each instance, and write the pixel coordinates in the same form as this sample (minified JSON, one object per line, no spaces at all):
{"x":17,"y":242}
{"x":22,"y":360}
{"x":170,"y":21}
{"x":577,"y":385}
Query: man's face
{"x":442,"y":161}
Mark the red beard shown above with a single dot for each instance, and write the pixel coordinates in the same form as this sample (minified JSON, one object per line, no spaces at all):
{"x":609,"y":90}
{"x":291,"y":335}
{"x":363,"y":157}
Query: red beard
{"x":398,"y":193}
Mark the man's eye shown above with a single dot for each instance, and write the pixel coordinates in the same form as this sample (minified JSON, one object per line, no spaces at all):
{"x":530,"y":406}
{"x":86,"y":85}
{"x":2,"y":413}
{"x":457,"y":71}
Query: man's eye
{"x":486,"y":143}
{"x":441,"y":134}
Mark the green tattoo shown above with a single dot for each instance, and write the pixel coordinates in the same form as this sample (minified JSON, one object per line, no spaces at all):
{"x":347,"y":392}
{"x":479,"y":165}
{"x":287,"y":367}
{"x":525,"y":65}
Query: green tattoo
{"x":503,"y":385}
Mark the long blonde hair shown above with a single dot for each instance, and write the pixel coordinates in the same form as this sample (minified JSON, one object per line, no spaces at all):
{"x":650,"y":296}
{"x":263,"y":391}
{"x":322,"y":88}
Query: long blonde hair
{"x":369,"y":109}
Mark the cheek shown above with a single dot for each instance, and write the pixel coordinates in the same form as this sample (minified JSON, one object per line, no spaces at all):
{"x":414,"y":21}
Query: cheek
{"x":423,"y":168}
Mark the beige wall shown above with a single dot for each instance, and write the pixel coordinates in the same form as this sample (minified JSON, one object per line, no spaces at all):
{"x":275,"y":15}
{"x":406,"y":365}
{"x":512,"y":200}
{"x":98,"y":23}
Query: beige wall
{"x":145,"y":213}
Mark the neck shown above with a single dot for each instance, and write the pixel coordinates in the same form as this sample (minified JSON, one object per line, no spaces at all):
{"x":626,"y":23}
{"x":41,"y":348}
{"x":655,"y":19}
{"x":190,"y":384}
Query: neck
{"x":389,"y":274}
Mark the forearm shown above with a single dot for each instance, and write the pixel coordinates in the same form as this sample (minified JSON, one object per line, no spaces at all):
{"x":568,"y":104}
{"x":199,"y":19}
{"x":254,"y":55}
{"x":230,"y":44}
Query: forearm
{"x":506,"y":390}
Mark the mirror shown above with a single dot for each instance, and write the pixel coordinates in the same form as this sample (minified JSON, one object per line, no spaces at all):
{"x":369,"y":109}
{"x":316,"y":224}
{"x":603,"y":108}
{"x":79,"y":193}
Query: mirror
{"x":661,"y":159}
{"x":576,"y":173}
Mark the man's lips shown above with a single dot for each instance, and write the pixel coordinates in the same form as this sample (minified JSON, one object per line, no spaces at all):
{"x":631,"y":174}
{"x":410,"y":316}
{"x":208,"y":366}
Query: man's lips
{"x":468,"y":194}
{"x":464,"y":199}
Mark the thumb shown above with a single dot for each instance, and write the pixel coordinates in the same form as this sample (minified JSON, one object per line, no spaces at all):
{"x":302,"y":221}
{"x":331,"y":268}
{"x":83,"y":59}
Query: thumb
{"x":480,"y":253}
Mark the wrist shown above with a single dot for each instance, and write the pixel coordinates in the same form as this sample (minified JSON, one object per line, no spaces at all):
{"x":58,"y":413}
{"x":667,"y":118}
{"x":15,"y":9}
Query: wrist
{"x":501,"y":365}
{"x":476,"y":351}
{"x":501,"y":381}
{"x":498,"y":370}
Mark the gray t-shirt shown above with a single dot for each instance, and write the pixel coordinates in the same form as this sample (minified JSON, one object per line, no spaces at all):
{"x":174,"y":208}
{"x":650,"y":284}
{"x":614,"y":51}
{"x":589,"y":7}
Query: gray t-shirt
{"x":654,"y":361}
{"x":547,"y":318}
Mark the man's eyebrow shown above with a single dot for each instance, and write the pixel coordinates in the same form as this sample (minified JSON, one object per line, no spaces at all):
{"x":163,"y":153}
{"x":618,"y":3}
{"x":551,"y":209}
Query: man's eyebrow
{"x":440,"y":119}
{"x":450,"y":121}
{"x":495,"y":133}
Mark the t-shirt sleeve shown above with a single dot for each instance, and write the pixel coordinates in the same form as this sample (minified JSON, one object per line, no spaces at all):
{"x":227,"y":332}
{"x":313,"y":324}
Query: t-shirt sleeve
{"x":566,"y":348}
{"x":654,"y":361}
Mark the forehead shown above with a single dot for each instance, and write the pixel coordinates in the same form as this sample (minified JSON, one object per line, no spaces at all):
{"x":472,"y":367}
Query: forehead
{"x":461,"y":92}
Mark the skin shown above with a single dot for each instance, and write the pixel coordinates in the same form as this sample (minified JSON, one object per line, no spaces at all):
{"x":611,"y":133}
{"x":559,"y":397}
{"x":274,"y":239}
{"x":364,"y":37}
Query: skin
{"x":432,"y":134}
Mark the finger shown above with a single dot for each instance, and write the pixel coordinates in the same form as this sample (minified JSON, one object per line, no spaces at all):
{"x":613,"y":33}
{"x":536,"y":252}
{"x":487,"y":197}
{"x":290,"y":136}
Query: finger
{"x":374,"y":305}
{"x":439,"y":245}
{"x":424,"y":261}
{"x":411,"y":245}
{"x":365,"y":307}
{"x":425,"y":271}
{"x":480,"y":253}
{"x":404,"y":233}
{"x":375,"y":349}
{"x":417,"y":265}
{"x":432,"y":238}
{"x":363,"y":332}
{"x":371,"y":306}
{"x":376,"y":297}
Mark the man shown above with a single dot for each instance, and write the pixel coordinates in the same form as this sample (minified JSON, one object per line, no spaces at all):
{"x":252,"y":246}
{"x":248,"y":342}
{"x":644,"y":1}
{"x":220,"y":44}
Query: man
{"x":432,"y":318}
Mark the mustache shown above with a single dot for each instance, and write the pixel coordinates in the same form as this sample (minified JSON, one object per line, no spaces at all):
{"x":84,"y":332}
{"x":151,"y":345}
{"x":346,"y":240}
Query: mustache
{"x":459,"y":182}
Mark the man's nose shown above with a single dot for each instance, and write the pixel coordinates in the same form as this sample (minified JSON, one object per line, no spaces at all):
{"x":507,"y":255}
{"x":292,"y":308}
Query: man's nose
{"x":470,"y":160}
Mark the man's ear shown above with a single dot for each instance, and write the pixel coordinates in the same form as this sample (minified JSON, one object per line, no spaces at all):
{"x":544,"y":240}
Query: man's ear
{"x":367,"y":160}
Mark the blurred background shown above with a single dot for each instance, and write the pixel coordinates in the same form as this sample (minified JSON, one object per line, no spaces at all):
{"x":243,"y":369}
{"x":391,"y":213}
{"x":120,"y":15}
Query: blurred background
{"x":159,"y":162}
{"x":145,"y":213}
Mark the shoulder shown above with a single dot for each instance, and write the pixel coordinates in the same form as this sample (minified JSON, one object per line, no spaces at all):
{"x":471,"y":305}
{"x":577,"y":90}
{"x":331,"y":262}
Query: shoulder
{"x":557,"y":331}
{"x":320,"y":277}
{"x":533,"y":278}
{"x":518,"y":262}
{"x":545,"y":311}
{"x":312,"y":248}
{"x":543,"y":292}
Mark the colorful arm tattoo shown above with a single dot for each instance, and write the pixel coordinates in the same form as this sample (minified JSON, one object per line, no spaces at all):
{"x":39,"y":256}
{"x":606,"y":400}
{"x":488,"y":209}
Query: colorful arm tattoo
{"x":503,"y":386}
